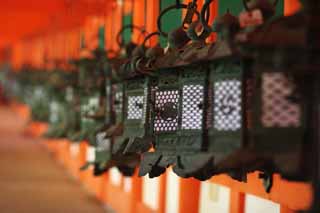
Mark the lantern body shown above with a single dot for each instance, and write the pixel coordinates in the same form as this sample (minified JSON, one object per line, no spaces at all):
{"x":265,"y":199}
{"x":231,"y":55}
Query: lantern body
{"x":178,"y":122}
{"x":38,"y":103}
{"x":279,"y":119}
{"x":89,"y":105}
{"x":57,"y":117}
{"x":193,"y":89}
{"x":166,"y":111}
{"x":135,"y":116}
{"x":91,"y":99}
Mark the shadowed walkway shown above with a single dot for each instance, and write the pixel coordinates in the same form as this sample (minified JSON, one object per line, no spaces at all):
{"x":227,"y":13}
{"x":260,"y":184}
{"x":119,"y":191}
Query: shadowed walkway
{"x":30,"y":180}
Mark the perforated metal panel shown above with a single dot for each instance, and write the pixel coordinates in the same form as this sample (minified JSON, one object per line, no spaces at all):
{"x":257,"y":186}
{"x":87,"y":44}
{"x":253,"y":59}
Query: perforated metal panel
{"x":192,"y":109}
{"x":135,"y":107}
{"x":166,"y":104}
{"x":89,"y":108}
{"x":118,"y":99}
{"x":145,"y":103}
{"x":54,"y":112}
{"x":69,"y":94}
{"x":227,"y":105}
{"x":103,"y":144}
{"x":277,"y":109}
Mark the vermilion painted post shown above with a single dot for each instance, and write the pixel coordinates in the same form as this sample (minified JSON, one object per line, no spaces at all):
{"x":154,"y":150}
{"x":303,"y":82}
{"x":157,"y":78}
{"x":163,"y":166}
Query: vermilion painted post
{"x":136,"y":192}
{"x":162,"y":194}
{"x":189,"y":195}
{"x":291,"y":6}
{"x":83,"y":152}
{"x":104,"y":187}
{"x":237,"y":201}
{"x":284,"y":209}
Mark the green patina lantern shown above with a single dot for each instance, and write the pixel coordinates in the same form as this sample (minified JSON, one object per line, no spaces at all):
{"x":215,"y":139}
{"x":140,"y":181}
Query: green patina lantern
{"x":72,"y":105}
{"x":230,"y":95}
{"x":178,"y":97}
{"x":122,"y":95}
{"x":60,"y":84}
{"x":227,"y":95}
{"x":37,"y":96}
{"x":91,"y":95}
{"x":200,"y":111}
{"x":283,"y":110}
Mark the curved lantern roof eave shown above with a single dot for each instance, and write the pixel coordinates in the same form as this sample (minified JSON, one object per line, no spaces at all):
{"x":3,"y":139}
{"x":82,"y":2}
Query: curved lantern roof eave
{"x":284,"y":32}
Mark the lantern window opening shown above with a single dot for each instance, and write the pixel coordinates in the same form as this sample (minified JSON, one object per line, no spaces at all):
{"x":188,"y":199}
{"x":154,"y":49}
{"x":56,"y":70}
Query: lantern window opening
{"x":227,"y":105}
{"x":192,"y":109}
{"x":103,"y":144}
{"x":162,"y":98}
{"x":277,"y":109}
{"x":135,"y":107}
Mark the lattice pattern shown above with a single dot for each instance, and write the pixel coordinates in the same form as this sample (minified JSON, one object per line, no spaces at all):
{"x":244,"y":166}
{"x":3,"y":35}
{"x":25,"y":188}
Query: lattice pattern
{"x":227,"y":105}
{"x":164,"y":98}
{"x":119,"y":101}
{"x":89,"y":108}
{"x":103,"y":144}
{"x":54,"y":112}
{"x":277,"y":109}
{"x":39,"y":93}
{"x":69,"y":94}
{"x":209,"y":107}
{"x":192,"y":109}
{"x":145,"y":103}
{"x":135,"y":107}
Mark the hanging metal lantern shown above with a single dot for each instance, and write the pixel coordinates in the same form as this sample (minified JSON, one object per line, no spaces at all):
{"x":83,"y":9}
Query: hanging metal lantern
{"x":200,"y":107}
{"x":121,"y":94}
{"x":177,"y":94}
{"x":38,"y":98}
{"x":282,"y":102}
{"x":93,"y":113}
{"x":91,"y":85}
{"x":58,"y":81}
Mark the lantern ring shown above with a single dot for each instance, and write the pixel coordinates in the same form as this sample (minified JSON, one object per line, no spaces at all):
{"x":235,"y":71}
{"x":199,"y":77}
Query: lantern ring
{"x":247,"y":8}
{"x":147,"y":38}
{"x":205,"y":19}
{"x":140,"y":68}
{"x":172,"y":7}
{"x":119,"y":38}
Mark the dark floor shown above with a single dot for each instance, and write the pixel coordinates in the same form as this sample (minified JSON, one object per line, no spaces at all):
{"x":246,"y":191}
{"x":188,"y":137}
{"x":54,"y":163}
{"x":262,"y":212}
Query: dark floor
{"x":30,"y":180}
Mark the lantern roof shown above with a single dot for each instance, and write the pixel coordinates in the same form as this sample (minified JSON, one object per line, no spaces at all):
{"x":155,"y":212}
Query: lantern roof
{"x":282,"y":32}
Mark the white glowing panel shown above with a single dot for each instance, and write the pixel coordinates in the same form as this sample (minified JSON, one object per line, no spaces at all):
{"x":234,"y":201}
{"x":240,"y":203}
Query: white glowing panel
{"x":118,"y":99}
{"x":192,"y":101}
{"x":135,"y":107}
{"x":69,"y":94}
{"x":165,"y":100}
{"x":54,"y":112}
{"x":214,"y":198}
{"x":172,"y":192}
{"x":39,"y":93}
{"x":255,"y":204}
{"x":150,"y":192}
{"x":277,"y":109}
{"x":89,"y":108}
{"x":115,"y":176}
{"x":103,"y":144}
{"x":227,"y":105}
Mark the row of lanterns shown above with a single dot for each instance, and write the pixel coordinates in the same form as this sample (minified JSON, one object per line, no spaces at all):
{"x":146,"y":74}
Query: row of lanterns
{"x":239,"y":104}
